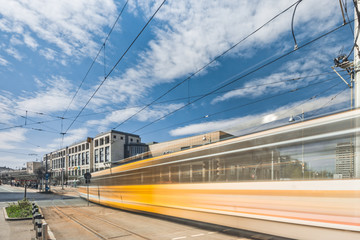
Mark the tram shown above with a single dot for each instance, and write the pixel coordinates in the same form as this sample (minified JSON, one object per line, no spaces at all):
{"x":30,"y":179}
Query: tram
{"x":299,"y":181}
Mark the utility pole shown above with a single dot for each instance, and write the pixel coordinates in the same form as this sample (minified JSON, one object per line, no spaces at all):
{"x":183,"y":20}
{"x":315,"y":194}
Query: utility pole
{"x":357,"y":88}
{"x":356,"y":60}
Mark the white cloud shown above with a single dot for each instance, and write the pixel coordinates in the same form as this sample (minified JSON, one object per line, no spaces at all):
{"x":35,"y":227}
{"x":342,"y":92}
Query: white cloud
{"x":6,"y":110}
{"x":73,"y":136}
{"x":3,"y":62}
{"x":282,"y":79}
{"x":9,"y":139}
{"x":149,"y":114}
{"x":48,"y":53}
{"x":236,"y":125}
{"x":69,"y":25}
{"x":15,"y":53}
{"x":54,"y":96}
{"x":13,"y":161}
{"x":30,"y":41}
{"x":194,"y":32}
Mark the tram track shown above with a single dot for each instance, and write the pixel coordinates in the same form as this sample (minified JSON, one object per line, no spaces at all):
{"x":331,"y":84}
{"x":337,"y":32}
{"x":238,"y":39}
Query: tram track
{"x":94,"y":231}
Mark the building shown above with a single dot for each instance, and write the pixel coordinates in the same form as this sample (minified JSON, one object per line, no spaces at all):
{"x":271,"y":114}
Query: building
{"x":344,"y":163}
{"x":113,"y":146}
{"x":32,"y":166}
{"x":93,"y":154}
{"x":158,"y":149}
{"x":79,"y":157}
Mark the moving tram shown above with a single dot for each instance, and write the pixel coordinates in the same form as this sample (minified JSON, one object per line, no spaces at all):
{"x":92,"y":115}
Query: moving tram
{"x":299,"y":181}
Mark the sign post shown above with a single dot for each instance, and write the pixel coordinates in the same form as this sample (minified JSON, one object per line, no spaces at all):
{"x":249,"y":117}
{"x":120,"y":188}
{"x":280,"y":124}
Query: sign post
{"x":87,"y":177}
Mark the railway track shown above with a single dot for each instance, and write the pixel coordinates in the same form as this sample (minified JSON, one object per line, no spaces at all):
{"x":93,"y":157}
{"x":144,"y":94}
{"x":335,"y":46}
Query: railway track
{"x":94,"y":224}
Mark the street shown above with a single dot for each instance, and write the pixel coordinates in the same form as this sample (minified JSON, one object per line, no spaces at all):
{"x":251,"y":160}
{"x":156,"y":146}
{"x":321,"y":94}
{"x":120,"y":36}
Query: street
{"x":70,"y":217}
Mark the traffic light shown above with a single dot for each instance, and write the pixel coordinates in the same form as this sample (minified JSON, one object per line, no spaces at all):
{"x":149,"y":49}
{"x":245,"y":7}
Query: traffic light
{"x":87,"y":177}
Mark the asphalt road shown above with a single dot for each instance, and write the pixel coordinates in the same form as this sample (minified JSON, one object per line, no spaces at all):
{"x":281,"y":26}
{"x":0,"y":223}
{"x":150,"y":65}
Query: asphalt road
{"x":13,"y":194}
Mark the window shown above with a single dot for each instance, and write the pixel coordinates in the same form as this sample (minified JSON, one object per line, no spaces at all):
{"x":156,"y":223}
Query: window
{"x":101,"y":154}
{"x":101,"y":141}
{"x":137,"y":140}
{"x":79,"y":159}
{"x":87,"y":157}
{"x":87,"y":146}
{"x":83,"y":147}
{"x":96,"y":155}
{"x":131,"y":139}
{"x":107,"y":154}
{"x":114,"y":136}
{"x":107,"y":140}
{"x":96,"y":143}
{"x":122,"y":138}
{"x":83,"y":158}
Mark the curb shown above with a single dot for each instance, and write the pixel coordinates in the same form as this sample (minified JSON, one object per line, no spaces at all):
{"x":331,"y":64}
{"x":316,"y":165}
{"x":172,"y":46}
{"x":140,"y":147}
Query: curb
{"x":7,"y":218}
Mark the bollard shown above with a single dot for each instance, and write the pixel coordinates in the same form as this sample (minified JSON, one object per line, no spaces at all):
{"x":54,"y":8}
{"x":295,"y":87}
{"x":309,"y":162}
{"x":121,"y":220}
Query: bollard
{"x":35,"y":210}
{"x":36,"y":216}
{"x":36,"y":223}
{"x":44,"y":231}
{"x":39,"y":231}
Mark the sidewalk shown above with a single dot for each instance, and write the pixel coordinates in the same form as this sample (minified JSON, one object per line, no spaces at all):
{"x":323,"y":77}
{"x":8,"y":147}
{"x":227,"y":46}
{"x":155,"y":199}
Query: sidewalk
{"x":23,"y":229}
{"x":17,"y":229}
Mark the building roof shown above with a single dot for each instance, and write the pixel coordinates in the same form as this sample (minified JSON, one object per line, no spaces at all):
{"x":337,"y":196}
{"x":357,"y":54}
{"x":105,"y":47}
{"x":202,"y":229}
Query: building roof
{"x":114,"y":131}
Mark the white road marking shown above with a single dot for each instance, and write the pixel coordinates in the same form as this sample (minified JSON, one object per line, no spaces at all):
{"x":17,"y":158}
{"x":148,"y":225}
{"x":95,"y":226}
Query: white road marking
{"x":178,"y":238}
{"x":198,"y":235}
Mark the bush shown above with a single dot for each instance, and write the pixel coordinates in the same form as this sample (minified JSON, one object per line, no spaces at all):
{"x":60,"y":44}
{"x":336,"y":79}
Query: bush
{"x":21,"y":209}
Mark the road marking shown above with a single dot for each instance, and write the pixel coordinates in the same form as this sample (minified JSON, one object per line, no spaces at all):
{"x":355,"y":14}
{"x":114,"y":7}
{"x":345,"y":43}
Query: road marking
{"x":178,"y":238}
{"x":198,"y":235}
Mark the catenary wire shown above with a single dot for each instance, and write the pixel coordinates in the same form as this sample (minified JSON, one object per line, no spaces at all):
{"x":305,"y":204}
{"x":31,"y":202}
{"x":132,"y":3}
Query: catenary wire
{"x":243,"y":76}
{"x":93,"y":62}
{"x":205,"y":66}
{"x":243,"y":105}
{"x":106,"y":77}
{"x":219,"y":92}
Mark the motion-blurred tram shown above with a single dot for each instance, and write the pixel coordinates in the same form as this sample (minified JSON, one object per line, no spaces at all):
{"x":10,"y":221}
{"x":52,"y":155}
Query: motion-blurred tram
{"x":299,"y":181}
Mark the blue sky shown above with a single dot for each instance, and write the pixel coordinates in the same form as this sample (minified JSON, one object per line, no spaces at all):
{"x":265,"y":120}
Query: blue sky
{"x":47,"y":47}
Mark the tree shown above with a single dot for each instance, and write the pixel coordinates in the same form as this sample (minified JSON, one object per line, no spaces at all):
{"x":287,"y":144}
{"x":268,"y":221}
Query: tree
{"x":40,"y":172}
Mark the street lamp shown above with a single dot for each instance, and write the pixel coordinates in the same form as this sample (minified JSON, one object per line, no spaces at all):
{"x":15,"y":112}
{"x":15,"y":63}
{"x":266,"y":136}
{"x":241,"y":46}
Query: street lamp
{"x":293,"y":118}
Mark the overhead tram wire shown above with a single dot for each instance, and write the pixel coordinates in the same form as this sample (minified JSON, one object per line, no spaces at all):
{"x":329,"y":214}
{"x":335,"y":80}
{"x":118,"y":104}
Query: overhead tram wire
{"x":219,"y":92}
{"x":246,"y":104}
{"x":243,"y":76}
{"x":307,"y":100}
{"x":106,"y":77}
{"x":205,"y":66}
{"x":27,"y":154}
{"x":334,"y":96}
{"x":93,"y":62}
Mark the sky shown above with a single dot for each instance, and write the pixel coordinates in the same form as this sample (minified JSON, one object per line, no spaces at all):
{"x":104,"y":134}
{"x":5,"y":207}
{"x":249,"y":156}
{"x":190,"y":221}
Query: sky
{"x":163,"y":69}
